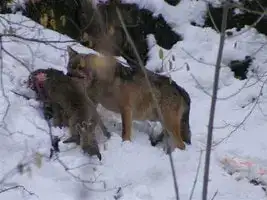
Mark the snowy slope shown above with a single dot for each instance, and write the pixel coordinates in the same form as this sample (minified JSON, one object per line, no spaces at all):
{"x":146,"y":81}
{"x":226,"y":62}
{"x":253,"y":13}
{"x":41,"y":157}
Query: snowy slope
{"x":140,"y":170}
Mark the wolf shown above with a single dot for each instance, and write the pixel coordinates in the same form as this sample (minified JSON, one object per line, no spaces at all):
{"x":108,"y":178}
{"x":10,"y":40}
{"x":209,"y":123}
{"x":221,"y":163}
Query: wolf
{"x":68,"y":98}
{"x":124,"y":90}
{"x":51,"y":109}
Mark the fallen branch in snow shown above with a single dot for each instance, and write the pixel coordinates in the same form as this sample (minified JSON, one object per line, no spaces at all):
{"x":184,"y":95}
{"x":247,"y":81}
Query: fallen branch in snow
{"x":198,"y":60}
{"x":6,"y":99}
{"x":36,"y":40}
{"x":118,"y":194}
{"x":21,"y":95}
{"x":85,"y":182}
{"x":215,"y":194}
{"x":2,"y":83}
{"x":245,"y":85}
{"x":54,"y":154}
{"x":15,"y":58}
{"x":23,"y":166}
{"x":236,"y":127}
{"x":68,"y":169}
{"x":17,"y":187}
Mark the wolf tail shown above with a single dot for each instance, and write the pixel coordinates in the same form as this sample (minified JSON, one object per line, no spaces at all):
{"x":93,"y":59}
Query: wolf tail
{"x":185,"y":126}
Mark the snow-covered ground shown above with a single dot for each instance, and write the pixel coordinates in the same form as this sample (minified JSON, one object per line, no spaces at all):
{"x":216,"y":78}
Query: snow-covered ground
{"x":141,"y":171}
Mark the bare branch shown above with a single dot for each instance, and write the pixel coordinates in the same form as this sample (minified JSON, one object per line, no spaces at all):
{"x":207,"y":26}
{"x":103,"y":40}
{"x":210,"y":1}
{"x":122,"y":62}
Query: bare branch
{"x":213,"y":103}
{"x":36,"y":40}
{"x":196,"y":177}
{"x":17,"y":187}
{"x":245,"y":118}
{"x":21,"y":95}
{"x":215,"y":194}
{"x":12,"y":56}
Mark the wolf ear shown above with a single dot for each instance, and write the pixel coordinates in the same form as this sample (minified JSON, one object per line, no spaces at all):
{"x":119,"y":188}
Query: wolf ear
{"x":71,"y":52}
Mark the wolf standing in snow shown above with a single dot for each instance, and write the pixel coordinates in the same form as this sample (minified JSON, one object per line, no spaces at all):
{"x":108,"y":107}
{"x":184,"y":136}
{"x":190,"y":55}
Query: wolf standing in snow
{"x":67,"y":97}
{"x":124,"y":90}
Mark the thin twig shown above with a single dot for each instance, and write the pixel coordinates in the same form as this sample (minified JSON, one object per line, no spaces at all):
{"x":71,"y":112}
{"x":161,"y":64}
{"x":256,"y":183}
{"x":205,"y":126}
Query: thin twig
{"x":15,"y":58}
{"x":215,"y":194}
{"x":196,"y":177}
{"x":21,"y":95}
{"x":36,"y":40}
{"x":245,"y":118}
{"x":17,"y":187}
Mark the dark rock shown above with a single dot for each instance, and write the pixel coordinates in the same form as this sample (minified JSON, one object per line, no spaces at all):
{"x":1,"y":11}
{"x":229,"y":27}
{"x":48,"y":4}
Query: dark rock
{"x":172,"y":2}
{"x":193,"y":23}
{"x":240,"y":67}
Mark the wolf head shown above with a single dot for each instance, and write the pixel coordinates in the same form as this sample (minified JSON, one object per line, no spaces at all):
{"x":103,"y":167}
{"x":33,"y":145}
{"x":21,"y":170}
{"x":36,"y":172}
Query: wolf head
{"x":89,"y":66}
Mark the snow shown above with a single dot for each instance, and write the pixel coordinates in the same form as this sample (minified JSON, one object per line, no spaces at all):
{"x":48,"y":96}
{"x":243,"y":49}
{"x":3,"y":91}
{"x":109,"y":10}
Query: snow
{"x":141,"y":171}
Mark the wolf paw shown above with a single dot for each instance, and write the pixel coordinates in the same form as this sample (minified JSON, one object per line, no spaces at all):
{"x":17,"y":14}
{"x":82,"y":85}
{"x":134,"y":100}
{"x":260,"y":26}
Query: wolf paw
{"x":92,"y":150}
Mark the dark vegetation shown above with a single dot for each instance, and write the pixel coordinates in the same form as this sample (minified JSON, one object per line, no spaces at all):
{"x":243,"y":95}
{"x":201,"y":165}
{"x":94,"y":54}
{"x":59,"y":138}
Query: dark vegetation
{"x":238,"y":19}
{"x":80,"y":22}
{"x":69,"y":17}
{"x":3,"y":7}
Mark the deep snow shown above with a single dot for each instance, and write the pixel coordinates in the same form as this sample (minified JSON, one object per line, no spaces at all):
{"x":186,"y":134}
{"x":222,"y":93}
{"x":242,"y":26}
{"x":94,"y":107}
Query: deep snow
{"x":142,"y":171}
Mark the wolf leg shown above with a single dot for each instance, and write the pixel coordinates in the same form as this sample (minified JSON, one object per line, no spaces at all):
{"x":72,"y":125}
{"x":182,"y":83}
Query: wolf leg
{"x":74,"y":134}
{"x":57,"y":113}
{"x":177,"y":136}
{"x":172,"y":122}
{"x":103,"y":128}
{"x":87,"y":140}
{"x":126,"y":116}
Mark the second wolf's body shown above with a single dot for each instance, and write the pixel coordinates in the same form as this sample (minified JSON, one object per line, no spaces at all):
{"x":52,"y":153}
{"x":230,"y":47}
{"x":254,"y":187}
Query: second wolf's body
{"x":68,"y":98}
